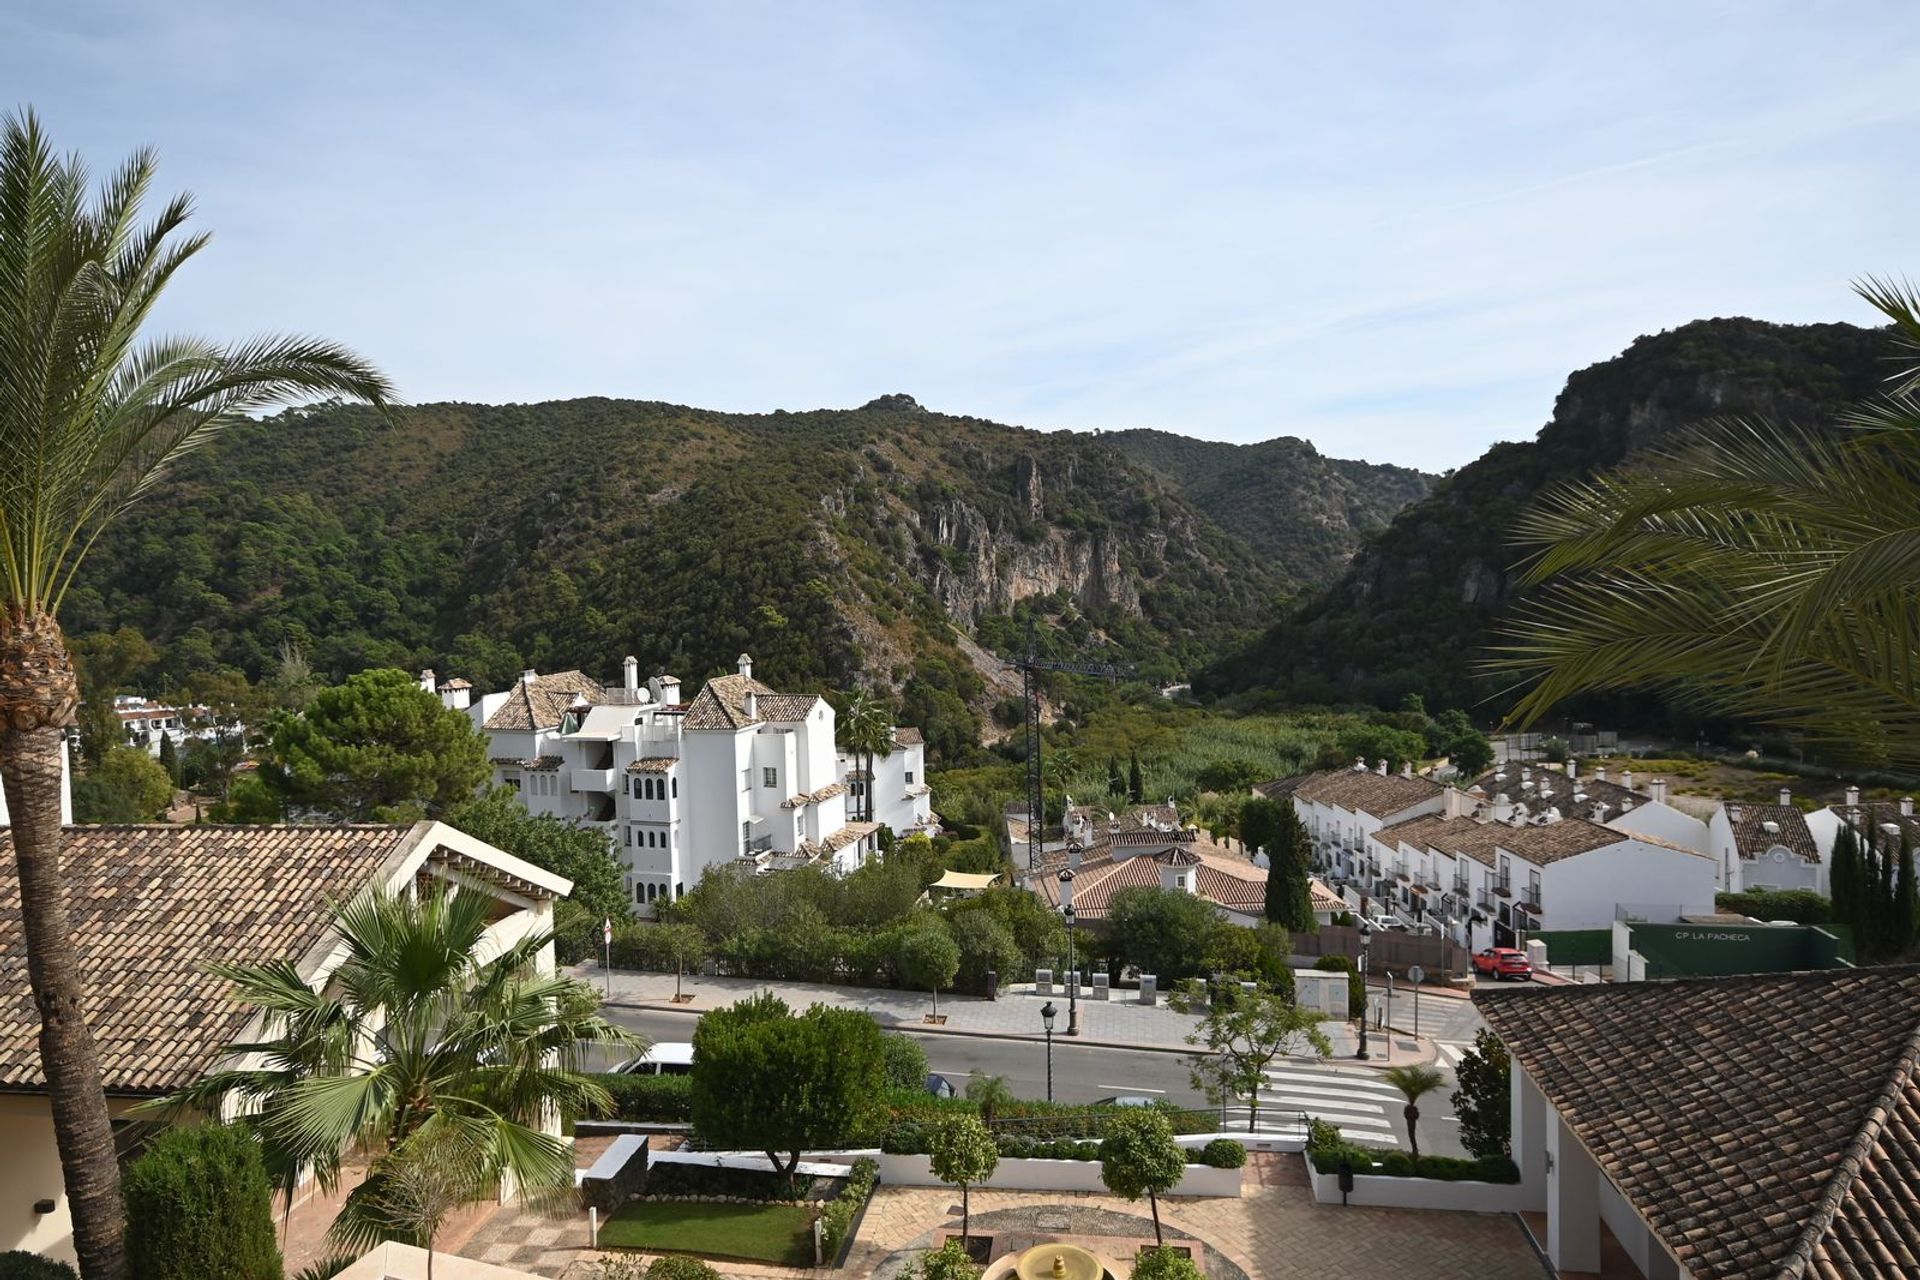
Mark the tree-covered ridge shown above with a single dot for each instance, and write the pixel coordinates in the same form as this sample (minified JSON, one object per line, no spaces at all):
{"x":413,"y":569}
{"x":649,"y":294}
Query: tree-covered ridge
{"x":1306,"y":513}
{"x":1414,"y":609}
{"x":482,"y":539}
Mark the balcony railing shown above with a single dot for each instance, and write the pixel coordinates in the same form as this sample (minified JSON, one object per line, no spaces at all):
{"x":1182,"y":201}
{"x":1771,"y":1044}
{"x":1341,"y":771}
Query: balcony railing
{"x":759,"y":844}
{"x":593,"y":780}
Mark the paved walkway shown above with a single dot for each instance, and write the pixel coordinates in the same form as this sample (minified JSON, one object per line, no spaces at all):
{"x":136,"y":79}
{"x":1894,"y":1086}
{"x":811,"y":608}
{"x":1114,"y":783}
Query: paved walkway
{"x":1121,"y":1022}
{"x":1275,"y":1230}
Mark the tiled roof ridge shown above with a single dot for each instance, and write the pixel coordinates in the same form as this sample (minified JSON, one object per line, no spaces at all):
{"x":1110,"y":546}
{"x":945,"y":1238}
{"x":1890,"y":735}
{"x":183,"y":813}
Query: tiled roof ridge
{"x":1604,"y":990}
{"x":1847,"y":1170}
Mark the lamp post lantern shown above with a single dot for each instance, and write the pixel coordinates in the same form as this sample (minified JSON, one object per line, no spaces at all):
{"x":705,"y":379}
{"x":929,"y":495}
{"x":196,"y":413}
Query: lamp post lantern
{"x":1047,"y":1015}
{"x":1366,"y":947}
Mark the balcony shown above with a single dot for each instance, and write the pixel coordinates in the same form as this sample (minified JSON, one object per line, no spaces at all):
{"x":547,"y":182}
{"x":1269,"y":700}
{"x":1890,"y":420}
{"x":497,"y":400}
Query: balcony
{"x":759,"y":844}
{"x":593,"y":780}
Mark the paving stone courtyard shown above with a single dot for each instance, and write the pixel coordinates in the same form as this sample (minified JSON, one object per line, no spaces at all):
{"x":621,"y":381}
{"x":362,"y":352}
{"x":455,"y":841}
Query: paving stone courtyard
{"x":1275,"y":1230}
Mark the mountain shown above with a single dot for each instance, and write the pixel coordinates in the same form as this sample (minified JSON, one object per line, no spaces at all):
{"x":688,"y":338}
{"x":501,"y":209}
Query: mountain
{"x":1414,"y":609}
{"x":1304,"y":513}
{"x":888,"y":539}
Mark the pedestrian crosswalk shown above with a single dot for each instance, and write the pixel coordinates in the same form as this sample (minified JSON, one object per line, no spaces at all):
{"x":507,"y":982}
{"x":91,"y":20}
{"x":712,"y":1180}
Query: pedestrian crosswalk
{"x":1364,"y":1107}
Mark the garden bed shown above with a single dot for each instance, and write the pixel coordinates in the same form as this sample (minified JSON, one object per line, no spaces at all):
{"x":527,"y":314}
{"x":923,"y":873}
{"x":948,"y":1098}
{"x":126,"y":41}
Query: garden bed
{"x":779,"y":1234}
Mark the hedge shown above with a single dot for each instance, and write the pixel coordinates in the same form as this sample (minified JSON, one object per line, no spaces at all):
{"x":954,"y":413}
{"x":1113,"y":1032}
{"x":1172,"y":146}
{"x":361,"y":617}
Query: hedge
{"x":658,"y":1098}
{"x":674,"y":1178}
{"x":198,"y":1205}
{"x":676,"y":1267}
{"x":21,"y":1265}
{"x":1398,"y":1164}
{"x":836,"y":1220}
{"x":1223,"y":1153}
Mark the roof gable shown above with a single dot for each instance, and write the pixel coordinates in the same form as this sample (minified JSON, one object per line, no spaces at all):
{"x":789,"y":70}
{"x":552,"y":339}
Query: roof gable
{"x":1761,"y":1125}
{"x":543,"y":703}
{"x":1379,"y":794}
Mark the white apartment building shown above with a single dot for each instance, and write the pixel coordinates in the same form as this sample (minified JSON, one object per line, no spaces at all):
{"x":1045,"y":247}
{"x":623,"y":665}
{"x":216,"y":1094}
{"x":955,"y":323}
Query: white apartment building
{"x":1641,"y":809}
{"x":1485,"y":879}
{"x":1343,"y":807}
{"x":739,"y":772}
{"x":1773,"y":846}
{"x":146,"y":723}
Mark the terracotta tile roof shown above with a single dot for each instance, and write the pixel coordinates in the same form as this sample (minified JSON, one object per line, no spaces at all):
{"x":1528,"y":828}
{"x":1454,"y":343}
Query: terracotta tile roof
{"x":1279,"y":787}
{"x":1765,"y":1125}
{"x":722,"y":704}
{"x":859,"y":775}
{"x":919,"y":789}
{"x":1559,"y":791}
{"x":543,"y":764}
{"x":653,"y":764}
{"x":908,"y":736}
{"x":1539,"y":844}
{"x":1220,"y":876}
{"x":152,"y":907}
{"x":838,"y":840}
{"x":543,"y":704}
{"x":1751,"y":837}
{"x":458,"y":682}
{"x":1324,"y":899}
{"x":1381,"y":795}
{"x":829,"y":791}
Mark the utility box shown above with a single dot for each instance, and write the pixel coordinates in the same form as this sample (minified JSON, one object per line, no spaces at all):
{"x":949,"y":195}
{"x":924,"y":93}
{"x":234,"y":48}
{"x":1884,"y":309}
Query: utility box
{"x":1320,"y":991}
{"x":1099,"y":986}
{"x":1537,"y":953}
{"x":1043,"y":982}
{"x":1149,"y":989}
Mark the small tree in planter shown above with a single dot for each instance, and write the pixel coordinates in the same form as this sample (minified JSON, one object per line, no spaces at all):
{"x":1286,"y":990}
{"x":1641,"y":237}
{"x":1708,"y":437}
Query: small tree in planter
{"x":1241,"y":1034}
{"x":962,"y":1153}
{"x":1414,"y":1083}
{"x":1139,"y":1157}
{"x":948,"y":1262}
{"x":684,"y":947}
{"x":1161,"y":1263}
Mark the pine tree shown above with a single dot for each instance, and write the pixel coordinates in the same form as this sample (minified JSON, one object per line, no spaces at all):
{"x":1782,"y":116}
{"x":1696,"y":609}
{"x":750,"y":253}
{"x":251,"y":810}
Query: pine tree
{"x":1116,"y":785}
{"x":1136,"y":782}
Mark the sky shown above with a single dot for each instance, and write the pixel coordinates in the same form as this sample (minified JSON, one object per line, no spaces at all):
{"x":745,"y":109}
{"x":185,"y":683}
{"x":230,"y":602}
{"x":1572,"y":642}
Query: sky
{"x":1392,"y":229}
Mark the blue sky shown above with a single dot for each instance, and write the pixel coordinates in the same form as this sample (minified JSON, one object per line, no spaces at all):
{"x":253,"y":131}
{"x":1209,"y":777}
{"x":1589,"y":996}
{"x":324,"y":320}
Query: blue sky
{"x":1393,"y":232}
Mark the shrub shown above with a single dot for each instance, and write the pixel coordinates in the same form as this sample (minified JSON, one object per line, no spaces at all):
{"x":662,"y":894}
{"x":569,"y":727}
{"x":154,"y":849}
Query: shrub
{"x":656,"y":1098}
{"x":905,"y":1062}
{"x":948,"y":1262}
{"x":673,"y":1267}
{"x":1801,"y":905}
{"x":836,"y":1220}
{"x":1323,"y":1135}
{"x":672,"y":1178}
{"x":21,"y":1265}
{"x":1160,"y":1263}
{"x":198,"y":1205}
{"x":1223,"y":1153}
{"x":1398,"y":1164}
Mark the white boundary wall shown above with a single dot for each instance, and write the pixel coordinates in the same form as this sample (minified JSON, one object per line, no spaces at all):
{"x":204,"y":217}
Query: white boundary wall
{"x":1052,"y":1175}
{"x":1420,"y":1193}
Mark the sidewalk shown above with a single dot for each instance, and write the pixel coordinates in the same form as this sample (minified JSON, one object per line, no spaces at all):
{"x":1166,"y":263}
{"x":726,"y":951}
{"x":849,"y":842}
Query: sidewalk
{"x":1121,"y":1023}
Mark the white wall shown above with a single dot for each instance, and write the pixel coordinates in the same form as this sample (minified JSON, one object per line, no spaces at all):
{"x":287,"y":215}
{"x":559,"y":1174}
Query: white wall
{"x":1053,"y":1175}
{"x":30,"y":1172}
{"x":1663,"y":822}
{"x":1420,"y":1193}
{"x":1583,"y":891}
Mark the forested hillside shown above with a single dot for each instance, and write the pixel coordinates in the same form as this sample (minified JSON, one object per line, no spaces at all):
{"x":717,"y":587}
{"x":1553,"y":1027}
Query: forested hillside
{"x":1305,"y":513}
{"x":1413,"y":611}
{"x":480,"y":539}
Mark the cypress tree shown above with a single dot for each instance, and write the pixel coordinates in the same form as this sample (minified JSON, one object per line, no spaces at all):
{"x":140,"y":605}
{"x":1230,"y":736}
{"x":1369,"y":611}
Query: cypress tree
{"x":1906,"y":905}
{"x":1844,"y":879}
{"x":1116,"y":785}
{"x":1289,"y":890}
{"x":1136,"y":784}
{"x":169,"y":758}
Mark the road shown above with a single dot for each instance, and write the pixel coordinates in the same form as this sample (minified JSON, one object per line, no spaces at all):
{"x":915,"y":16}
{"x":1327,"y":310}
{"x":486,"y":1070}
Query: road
{"x":1349,"y":1095}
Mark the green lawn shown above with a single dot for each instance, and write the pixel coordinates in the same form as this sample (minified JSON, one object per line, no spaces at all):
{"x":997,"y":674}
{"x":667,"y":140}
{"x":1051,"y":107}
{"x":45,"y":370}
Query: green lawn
{"x":777,"y":1233}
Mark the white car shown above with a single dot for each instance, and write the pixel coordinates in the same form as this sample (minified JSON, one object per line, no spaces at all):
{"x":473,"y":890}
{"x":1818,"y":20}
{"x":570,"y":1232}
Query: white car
{"x":665,"y":1058}
{"x":1384,"y":922}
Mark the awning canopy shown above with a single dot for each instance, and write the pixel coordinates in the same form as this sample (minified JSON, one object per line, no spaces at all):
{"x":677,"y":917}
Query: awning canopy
{"x":966,"y":881}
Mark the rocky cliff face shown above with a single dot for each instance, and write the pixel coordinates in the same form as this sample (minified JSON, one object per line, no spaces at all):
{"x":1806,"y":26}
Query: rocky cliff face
{"x":983,"y":571}
{"x":1414,"y":609}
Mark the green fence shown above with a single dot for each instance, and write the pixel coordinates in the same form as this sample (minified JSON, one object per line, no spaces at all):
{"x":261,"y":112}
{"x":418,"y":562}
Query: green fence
{"x":1576,"y":946}
{"x":1705,"y":950}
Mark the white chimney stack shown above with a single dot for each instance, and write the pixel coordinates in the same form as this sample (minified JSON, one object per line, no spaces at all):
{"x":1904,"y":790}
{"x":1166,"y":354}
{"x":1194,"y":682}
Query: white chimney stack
{"x":1573,"y":767}
{"x":745,"y":662}
{"x":630,"y":671}
{"x":753,"y":708}
{"x":1380,"y":766}
{"x":1406,"y":768}
{"x":1601,"y":773}
{"x":1853,"y":796}
{"x":1733,"y":814}
{"x":1657,"y":790}
{"x":426,"y":680}
{"x":1906,"y":806}
{"x":1626,"y":779}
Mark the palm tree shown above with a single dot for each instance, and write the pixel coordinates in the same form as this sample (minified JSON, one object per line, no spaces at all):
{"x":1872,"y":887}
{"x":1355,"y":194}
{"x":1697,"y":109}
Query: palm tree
{"x":1758,"y":571}
{"x":866,"y":728}
{"x":428,"y":1036}
{"x":89,"y":418}
{"x":1414,"y":1083}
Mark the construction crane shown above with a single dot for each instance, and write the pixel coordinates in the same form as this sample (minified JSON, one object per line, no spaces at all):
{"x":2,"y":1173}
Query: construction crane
{"x":1028,"y":667}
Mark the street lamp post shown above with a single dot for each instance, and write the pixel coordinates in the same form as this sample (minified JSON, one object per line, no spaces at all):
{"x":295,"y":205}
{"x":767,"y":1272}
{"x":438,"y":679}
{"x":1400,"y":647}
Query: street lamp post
{"x":1366,"y":949}
{"x":1073,"y":959}
{"x":1047,"y":1015}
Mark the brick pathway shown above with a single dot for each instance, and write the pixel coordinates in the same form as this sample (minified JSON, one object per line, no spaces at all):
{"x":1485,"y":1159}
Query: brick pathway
{"x":1276,"y":1230}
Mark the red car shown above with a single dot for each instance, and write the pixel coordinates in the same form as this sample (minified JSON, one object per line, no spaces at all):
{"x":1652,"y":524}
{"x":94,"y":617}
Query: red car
{"x":1503,"y":963}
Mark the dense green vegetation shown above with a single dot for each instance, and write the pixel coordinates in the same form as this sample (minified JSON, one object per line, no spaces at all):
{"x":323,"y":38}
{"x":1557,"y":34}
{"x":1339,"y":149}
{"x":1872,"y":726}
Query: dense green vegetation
{"x":198,"y":1204}
{"x":479,"y":540}
{"x":1412,"y":612}
{"x":780,"y":1234}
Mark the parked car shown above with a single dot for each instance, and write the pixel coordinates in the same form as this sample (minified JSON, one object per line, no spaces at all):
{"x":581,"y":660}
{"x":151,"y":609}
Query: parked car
{"x":1127,"y":1100}
{"x":1501,"y":963}
{"x":1382,"y":920}
{"x":666,"y":1058}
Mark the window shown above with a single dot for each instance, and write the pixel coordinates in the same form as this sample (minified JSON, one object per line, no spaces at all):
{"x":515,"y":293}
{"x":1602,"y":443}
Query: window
{"x":513,"y":782}
{"x":629,"y":834}
{"x":679,"y":890}
{"x":1533,"y":887}
{"x":676,"y":786}
{"x":909,"y":777}
{"x":769,"y":777}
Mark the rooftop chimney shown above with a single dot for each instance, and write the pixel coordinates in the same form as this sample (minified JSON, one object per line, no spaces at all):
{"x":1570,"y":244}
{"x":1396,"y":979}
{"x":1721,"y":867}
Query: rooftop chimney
{"x":1733,"y":814}
{"x":1906,"y":806}
{"x":1380,"y":766}
{"x":745,"y":661}
{"x":1626,"y":779}
{"x":1453,"y":802}
{"x":1573,"y":767}
{"x":1359,"y":764}
{"x":1853,"y":796}
{"x":630,"y":672}
{"x":1406,"y":768}
{"x":1601,"y":773}
{"x":753,"y":705}
{"x":1786,"y":795}
{"x":529,"y":676}
{"x":1657,"y":791}
{"x":426,"y":680}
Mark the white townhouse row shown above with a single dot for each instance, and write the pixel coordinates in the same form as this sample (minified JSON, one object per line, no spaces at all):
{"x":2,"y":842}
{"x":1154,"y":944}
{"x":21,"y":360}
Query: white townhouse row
{"x":1486,"y":868}
{"x":739,"y":772}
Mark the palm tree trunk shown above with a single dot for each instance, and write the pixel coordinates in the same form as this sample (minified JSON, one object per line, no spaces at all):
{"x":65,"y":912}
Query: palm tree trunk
{"x":1413,"y":1129}
{"x":30,"y":770}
